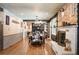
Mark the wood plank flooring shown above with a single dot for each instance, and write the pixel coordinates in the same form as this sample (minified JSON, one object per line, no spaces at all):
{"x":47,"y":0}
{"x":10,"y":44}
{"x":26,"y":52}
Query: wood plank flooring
{"x":24,"y":48}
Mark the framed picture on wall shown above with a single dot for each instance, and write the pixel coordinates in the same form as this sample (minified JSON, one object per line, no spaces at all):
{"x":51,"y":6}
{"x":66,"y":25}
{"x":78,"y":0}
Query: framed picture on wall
{"x":7,"y":20}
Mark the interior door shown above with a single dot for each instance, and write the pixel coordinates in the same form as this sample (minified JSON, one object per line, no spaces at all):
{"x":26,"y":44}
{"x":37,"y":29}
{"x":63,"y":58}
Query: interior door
{"x":1,"y":28}
{"x":1,"y":36}
{"x":78,"y":29}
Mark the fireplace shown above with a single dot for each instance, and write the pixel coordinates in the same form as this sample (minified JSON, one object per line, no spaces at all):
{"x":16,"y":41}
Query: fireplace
{"x":61,"y":38}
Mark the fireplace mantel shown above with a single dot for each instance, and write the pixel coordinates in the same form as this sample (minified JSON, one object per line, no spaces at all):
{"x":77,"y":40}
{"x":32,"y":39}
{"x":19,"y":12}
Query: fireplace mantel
{"x":71,"y":35}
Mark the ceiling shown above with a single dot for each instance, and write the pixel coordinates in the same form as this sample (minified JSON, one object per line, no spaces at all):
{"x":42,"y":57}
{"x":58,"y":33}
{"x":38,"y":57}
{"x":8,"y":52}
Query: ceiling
{"x":29,"y":11}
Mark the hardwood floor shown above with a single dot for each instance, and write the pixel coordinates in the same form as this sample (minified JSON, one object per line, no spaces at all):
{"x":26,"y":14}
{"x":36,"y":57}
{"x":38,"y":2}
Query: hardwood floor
{"x":24,"y":48}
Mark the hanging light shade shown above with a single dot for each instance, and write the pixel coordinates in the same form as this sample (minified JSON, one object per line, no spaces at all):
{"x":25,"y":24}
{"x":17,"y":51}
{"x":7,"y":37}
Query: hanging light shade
{"x":37,"y":21}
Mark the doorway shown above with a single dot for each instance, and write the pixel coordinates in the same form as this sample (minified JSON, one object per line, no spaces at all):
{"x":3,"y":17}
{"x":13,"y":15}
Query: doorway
{"x":1,"y":36}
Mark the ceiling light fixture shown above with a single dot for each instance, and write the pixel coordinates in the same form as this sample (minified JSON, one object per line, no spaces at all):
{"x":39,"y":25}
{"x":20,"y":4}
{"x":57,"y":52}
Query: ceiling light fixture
{"x":37,"y":21}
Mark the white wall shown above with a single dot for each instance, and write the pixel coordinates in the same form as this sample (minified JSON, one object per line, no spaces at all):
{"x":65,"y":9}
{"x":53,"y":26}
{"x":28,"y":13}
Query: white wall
{"x":12,"y":33}
{"x":1,"y":16}
{"x":12,"y":28}
{"x":24,"y":30}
